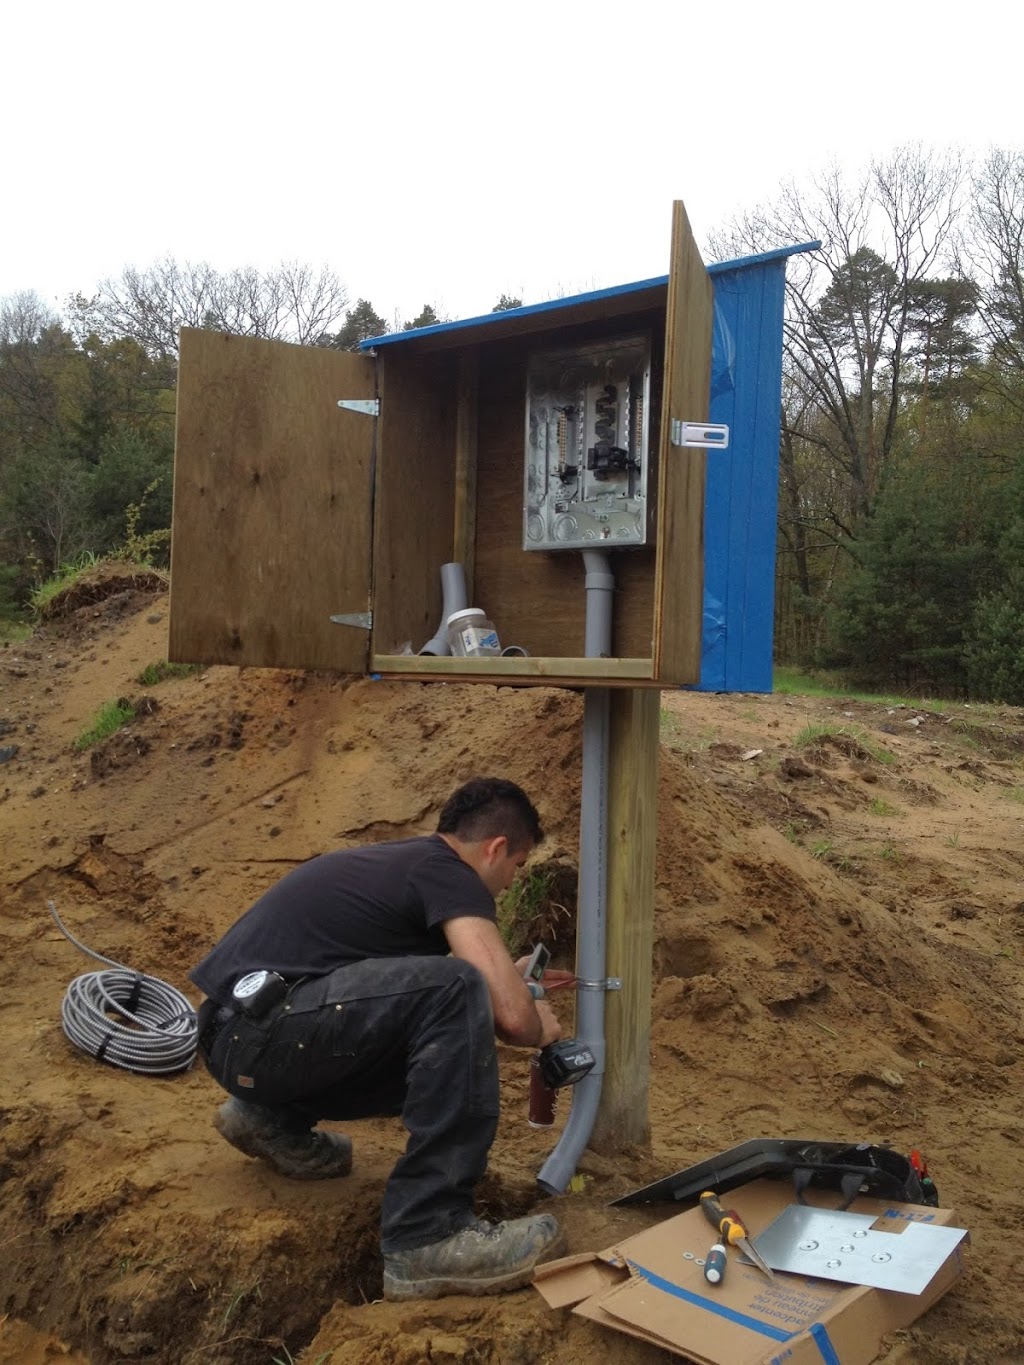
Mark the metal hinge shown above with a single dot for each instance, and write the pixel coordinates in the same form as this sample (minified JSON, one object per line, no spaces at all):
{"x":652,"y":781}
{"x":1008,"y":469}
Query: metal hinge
{"x":706,"y":435}
{"x":362,"y":619}
{"x":371,"y":406}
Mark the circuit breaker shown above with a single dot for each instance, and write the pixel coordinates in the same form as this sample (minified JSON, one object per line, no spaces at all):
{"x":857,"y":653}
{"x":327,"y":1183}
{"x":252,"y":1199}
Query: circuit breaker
{"x":587,"y":448}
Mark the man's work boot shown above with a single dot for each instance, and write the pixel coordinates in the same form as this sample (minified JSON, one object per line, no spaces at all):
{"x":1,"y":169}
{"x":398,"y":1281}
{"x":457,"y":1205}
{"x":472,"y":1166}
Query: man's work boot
{"x":257,"y":1132}
{"x":484,"y":1258}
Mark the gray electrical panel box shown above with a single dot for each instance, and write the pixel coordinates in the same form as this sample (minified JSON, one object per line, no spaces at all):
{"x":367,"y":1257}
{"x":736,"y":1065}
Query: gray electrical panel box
{"x":587,"y":447}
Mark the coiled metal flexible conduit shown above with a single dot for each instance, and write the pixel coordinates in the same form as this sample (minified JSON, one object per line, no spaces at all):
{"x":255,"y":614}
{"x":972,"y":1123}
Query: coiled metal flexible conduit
{"x":158,"y":1034}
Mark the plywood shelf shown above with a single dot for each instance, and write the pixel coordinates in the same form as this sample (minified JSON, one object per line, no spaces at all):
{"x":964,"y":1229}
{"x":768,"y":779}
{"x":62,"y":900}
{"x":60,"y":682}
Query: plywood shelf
{"x":518,"y":672}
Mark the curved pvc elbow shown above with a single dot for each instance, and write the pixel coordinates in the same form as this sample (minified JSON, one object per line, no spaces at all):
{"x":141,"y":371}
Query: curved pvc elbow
{"x":454,"y":598}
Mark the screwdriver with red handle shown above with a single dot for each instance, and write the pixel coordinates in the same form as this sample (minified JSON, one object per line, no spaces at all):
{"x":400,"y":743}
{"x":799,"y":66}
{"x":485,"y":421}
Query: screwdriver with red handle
{"x":730,"y":1228}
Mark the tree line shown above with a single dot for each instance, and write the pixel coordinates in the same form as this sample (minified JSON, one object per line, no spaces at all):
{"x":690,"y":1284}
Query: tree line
{"x":901,"y":488}
{"x":901,"y":451}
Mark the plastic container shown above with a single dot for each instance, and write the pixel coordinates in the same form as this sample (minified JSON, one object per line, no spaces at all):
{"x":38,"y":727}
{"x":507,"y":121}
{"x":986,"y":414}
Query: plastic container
{"x":471,"y":635}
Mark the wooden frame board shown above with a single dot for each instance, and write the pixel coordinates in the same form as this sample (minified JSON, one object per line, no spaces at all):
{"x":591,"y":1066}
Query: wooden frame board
{"x":679,"y":570}
{"x":272,"y":495}
{"x":515,"y":671}
{"x":415,"y":498}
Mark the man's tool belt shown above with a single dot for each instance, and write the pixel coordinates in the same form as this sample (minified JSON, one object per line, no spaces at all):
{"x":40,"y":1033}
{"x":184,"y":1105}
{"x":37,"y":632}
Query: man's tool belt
{"x":212,"y":1018}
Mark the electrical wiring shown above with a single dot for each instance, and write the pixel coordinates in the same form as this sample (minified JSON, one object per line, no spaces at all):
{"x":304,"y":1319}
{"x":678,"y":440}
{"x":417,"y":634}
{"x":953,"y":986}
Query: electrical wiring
{"x":127,"y":1019}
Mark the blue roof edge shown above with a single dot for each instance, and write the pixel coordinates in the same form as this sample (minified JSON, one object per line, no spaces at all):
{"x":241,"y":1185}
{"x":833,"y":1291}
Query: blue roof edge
{"x":594,"y":296}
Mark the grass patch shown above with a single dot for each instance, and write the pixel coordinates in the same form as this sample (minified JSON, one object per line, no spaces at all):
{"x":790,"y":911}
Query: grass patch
{"x":108,"y":719}
{"x":162,"y":670}
{"x":522,"y":904}
{"x":821,"y":849}
{"x":889,"y":853}
{"x":13,"y":630}
{"x":66,"y":575}
{"x":794,"y":682}
{"x":682,"y":741}
{"x":239,"y":1297}
{"x":799,"y":683}
{"x":964,"y":736}
{"x":1015,"y":793}
{"x":813,"y":734}
{"x":534,"y":908}
{"x":880,"y":807}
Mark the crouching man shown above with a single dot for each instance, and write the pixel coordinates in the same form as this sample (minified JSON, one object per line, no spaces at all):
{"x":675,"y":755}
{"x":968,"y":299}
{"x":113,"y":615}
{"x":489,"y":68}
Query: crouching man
{"x":372,"y":981}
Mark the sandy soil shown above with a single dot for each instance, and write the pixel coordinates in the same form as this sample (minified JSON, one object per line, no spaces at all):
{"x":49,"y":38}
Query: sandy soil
{"x":838,"y":938}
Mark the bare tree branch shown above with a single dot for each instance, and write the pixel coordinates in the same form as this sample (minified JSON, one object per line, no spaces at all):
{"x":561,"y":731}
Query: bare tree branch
{"x":292,"y":302}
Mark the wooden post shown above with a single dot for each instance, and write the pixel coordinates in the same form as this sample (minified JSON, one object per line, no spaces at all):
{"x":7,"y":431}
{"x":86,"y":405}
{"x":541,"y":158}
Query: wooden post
{"x":622,"y":1118}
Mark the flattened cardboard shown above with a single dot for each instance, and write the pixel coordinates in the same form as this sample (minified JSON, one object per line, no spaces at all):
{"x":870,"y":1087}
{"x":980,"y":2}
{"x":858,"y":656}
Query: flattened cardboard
{"x":646,"y":1287}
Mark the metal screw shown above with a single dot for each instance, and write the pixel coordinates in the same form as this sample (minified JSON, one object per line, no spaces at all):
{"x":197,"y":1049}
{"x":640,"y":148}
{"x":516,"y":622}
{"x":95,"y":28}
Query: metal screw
{"x":807,"y":1246}
{"x":881,"y":1257}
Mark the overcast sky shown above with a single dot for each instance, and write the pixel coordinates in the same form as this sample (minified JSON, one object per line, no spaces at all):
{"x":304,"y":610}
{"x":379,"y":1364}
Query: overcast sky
{"x":449,"y":152}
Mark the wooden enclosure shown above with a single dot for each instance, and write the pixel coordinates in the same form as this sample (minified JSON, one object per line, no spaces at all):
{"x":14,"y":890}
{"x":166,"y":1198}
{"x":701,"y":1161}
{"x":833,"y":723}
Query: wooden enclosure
{"x":290,"y":511}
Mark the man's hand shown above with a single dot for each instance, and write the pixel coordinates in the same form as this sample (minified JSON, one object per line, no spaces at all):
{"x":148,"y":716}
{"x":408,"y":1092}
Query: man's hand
{"x":517,"y":1016}
{"x":551,"y":1028}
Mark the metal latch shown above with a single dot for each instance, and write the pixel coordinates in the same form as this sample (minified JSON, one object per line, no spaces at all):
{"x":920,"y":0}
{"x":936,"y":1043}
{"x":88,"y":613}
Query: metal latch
{"x":370,"y":406}
{"x":362,"y":619}
{"x":706,"y":435}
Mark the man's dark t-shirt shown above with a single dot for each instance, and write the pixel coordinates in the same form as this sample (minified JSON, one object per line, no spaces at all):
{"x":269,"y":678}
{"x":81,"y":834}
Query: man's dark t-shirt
{"x":383,"y":900}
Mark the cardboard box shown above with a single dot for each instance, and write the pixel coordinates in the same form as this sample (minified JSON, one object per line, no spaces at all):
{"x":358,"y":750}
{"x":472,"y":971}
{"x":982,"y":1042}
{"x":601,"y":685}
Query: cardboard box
{"x":647,"y":1288}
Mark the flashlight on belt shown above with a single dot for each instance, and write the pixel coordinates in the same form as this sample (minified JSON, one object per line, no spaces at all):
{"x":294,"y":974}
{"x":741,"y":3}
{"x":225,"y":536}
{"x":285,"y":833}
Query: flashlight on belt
{"x":256,"y":993}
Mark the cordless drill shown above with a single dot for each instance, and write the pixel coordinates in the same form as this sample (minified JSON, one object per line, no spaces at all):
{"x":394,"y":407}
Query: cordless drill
{"x":566,"y":1061}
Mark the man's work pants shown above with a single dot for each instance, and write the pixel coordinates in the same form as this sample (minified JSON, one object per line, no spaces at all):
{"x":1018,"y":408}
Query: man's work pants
{"x":411,"y":1036}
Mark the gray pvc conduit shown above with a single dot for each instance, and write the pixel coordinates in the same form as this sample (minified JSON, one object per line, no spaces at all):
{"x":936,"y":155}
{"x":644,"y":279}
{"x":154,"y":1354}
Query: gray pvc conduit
{"x":592,"y":923}
{"x":453,"y":596}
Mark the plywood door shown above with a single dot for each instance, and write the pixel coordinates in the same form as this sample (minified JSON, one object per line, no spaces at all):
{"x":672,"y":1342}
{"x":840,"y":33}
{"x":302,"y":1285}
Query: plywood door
{"x":272,"y":504}
{"x":679,"y":569}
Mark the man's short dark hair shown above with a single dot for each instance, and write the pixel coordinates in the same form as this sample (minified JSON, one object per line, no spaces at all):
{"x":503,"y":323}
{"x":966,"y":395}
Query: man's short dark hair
{"x":489,"y":807}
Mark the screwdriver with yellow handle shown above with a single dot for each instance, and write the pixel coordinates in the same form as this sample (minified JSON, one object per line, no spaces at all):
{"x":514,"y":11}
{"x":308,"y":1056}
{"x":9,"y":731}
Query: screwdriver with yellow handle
{"x":731,"y":1230}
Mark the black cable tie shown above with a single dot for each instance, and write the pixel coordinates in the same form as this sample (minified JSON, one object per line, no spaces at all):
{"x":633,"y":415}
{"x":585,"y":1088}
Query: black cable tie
{"x":101,"y":1050}
{"x":133,"y":999}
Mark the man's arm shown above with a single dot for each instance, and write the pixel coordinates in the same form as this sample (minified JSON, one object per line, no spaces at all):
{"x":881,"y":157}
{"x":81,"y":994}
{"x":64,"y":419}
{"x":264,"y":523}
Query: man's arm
{"x":518,"y":1018}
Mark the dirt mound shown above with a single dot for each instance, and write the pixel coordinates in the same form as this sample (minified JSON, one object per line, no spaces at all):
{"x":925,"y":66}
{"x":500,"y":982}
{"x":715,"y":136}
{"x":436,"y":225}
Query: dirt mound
{"x":101,"y":583}
{"x":838,"y":926}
